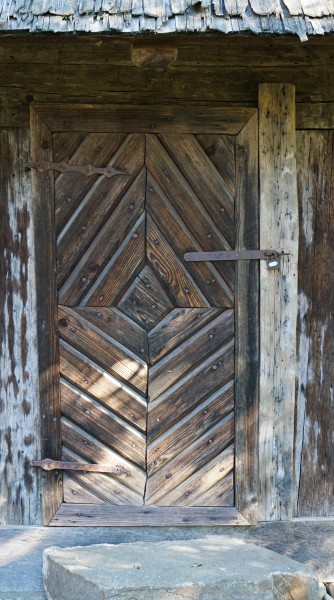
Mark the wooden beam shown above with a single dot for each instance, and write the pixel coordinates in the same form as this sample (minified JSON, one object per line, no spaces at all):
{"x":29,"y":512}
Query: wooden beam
{"x":278,"y":299}
{"x":107,"y":515}
{"x":19,"y":410}
{"x":319,"y":115}
{"x":247,"y":323}
{"x":48,"y":368}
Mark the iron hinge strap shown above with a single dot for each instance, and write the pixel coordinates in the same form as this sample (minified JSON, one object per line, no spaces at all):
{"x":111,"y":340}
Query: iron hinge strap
{"x":50,"y":465}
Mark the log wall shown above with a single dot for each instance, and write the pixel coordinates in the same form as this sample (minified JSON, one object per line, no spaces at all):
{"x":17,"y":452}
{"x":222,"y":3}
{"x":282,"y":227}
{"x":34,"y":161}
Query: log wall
{"x":204,"y":71}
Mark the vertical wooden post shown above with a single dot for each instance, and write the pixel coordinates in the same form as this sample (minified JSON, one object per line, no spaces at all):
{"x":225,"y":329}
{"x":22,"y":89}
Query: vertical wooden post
{"x":278,"y":299}
{"x":20,"y":484}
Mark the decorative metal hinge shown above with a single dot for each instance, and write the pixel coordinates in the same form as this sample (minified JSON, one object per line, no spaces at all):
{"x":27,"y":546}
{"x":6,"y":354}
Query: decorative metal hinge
{"x":64,"y":167}
{"x":50,"y":465}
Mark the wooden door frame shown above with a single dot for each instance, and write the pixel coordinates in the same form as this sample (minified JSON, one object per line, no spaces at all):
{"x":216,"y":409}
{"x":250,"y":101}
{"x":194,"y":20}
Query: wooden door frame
{"x":241,"y":122}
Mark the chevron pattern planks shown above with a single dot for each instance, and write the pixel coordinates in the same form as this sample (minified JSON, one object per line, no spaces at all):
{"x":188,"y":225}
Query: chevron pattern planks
{"x":146,"y":341}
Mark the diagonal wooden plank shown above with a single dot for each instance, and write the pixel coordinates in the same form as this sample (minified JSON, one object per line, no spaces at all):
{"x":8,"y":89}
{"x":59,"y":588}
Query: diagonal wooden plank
{"x":103,"y":424}
{"x":123,"y":267}
{"x":194,"y":388}
{"x":197,"y":484}
{"x":105,"y":244}
{"x":65,"y":143}
{"x":189,"y":354}
{"x":215,"y":288}
{"x":203,"y":177}
{"x":106,"y":389}
{"x":176,"y":327}
{"x":192,"y":459}
{"x":145,"y":301}
{"x":93,"y":450}
{"x":183,"y":197}
{"x":221,"y":151}
{"x":170,"y":270}
{"x":75,"y":493}
{"x":102,"y":349}
{"x":220,"y":494}
{"x":189,"y":428}
{"x":108,"y":489}
{"x":117,"y":325}
{"x":71,"y":188}
{"x":97,"y":205}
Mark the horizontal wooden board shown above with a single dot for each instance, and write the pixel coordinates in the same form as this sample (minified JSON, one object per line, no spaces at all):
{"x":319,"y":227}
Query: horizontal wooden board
{"x":137,"y":118}
{"x":105,"y":515}
{"x":318,"y":115}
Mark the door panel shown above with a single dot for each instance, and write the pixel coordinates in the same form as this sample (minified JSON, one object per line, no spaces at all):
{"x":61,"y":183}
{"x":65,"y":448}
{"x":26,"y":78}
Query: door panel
{"x":146,"y":340}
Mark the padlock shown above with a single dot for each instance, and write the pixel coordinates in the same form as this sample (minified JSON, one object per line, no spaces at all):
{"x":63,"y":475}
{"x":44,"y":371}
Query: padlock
{"x":273,"y":261}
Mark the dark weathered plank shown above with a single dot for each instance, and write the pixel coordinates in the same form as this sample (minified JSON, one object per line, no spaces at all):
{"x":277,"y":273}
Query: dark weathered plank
{"x":65,"y":144}
{"x":94,"y":343}
{"x":176,"y":327}
{"x":247,"y":314}
{"x":190,"y":353}
{"x":48,"y":371}
{"x":195,"y":387}
{"x":314,"y":462}
{"x":153,"y":119}
{"x":103,"y":424}
{"x":194,"y":457}
{"x":205,"y":180}
{"x":198,"y":484}
{"x":89,"y":448}
{"x":170,"y":270}
{"x":71,"y":188}
{"x":221,"y":151}
{"x":188,"y":234}
{"x":147,"y":516}
{"x":145,"y":301}
{"x":318,"y":115}
{"x":278,"y":299}
{"x":89,"y":377}
{"x":98,"y":203}
{"x":121,"y":269}
{"x":190,"y":428}
{"x":117,"y":325}
{"x":104,"y":245}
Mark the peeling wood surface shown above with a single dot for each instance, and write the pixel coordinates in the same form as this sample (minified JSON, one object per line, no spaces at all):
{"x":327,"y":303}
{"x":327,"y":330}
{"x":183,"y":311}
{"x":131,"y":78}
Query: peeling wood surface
{"x":278,"y":299}
{"x":315,"y":392}
{"x":19,"y":410}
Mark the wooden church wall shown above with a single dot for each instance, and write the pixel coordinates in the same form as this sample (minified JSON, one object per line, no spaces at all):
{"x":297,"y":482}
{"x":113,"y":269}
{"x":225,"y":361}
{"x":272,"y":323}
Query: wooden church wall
{"x":100,"y":69}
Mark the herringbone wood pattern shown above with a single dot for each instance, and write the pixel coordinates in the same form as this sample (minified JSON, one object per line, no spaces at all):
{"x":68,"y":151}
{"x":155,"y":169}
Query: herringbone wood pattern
{"x":146,"y":340}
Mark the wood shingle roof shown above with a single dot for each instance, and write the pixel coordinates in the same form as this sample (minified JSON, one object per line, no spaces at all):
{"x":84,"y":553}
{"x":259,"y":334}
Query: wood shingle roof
{"x":300,"y":17}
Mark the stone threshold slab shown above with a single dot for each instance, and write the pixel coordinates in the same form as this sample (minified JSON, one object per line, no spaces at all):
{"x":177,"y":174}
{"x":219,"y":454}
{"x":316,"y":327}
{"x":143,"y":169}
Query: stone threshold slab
{"x":202,"y":569}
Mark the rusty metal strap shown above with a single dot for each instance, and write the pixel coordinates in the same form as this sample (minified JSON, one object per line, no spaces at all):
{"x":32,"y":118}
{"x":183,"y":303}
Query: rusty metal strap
{"x":50,"y":465}
{"x":64,"y":167}
{"x":233,"y":255}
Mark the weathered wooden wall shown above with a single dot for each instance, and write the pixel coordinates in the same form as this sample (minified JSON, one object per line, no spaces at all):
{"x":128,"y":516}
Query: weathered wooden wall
{"x":58,"y":68}
{"x":19,"y":408}
{"x":207,"y":70}
{"x":315,"y":392}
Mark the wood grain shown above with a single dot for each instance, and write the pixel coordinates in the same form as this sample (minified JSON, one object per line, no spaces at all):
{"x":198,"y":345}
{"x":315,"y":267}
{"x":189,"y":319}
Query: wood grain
{"x":315,"y":420}
{"x":148,"y":516}
{"x":20,"y":485}
{"x":247,"y":325}
{"x":278,"y":299}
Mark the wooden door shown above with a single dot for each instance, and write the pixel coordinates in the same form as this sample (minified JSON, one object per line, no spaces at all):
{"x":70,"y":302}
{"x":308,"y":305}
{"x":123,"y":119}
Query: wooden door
{"x":146,"y":340}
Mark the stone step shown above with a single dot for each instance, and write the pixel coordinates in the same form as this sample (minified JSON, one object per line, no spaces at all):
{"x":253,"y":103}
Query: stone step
{"x":213,"y":568}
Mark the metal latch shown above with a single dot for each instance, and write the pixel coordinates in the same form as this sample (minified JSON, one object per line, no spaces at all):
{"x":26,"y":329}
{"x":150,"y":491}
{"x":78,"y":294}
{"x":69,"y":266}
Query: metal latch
{"x":65,"y":167}
{"x":271,"y":256}
{"x":50,"y":465}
